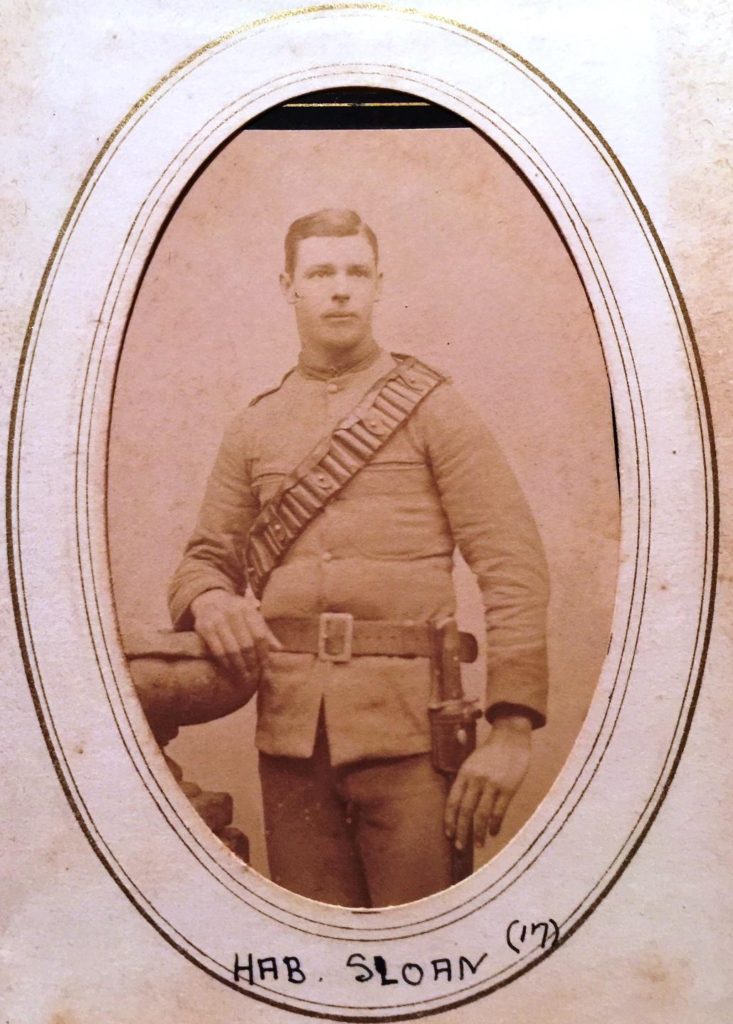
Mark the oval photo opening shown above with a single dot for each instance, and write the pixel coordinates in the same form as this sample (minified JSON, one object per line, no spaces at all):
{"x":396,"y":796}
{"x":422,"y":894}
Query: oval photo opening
{"x":362,"y":371}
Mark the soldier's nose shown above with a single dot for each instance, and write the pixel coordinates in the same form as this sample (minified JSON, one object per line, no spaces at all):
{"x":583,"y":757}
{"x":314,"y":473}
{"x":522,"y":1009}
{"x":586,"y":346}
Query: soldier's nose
{"x":341,"y":287}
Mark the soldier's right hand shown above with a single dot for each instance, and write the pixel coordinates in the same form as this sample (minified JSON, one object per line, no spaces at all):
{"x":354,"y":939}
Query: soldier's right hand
{"x":234,"y":630}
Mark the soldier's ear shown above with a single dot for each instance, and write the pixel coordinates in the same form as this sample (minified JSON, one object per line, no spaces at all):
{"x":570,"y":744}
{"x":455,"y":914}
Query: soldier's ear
{"x":288,"y":288}
{"x":378,"y":291}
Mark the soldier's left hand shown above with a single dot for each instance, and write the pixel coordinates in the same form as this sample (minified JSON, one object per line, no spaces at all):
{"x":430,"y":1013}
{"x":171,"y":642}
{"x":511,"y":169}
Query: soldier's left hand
{"x":487,"y":781}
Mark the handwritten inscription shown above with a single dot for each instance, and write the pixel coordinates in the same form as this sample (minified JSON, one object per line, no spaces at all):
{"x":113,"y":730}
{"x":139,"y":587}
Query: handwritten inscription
{"x":376,"y":969}
{"x":268,"y":968}
{"x":519,"y":935}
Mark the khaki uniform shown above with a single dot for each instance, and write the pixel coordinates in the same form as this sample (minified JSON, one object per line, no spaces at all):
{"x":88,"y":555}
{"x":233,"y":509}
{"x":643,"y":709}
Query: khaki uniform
{"x":382,"y":549}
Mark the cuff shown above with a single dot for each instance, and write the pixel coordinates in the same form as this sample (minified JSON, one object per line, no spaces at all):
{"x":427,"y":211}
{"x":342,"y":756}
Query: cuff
{"x":504,"y":710}
{"x":518,"y":685}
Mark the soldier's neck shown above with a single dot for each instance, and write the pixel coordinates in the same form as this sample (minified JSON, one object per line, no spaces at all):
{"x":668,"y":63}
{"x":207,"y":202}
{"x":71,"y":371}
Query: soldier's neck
{"x":323,"y":361}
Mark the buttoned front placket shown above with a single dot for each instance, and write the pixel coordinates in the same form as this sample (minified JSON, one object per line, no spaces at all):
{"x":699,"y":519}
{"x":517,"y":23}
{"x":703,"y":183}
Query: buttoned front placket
{"x":333,"y":401}
{"x":335,"y":393}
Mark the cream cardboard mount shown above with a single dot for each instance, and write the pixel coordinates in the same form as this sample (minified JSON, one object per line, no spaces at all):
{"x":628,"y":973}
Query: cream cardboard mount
{"x":258,"y":948}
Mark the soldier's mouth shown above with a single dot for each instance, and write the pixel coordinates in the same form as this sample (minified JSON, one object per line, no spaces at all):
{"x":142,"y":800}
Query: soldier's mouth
{"x":339,"y":316}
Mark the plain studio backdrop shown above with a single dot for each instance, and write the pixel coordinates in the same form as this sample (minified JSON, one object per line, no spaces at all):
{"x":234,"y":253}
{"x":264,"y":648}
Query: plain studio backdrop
{"x":476,"y":282}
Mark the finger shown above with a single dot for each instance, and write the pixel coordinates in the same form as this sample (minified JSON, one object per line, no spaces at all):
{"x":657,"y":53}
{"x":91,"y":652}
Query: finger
{"x":220,"y":645}
{"x":262,"y":647}
{"x":242,"y":660}
{"x":482,"y":812}
{"x":234,"y":639}
{"x":242,"y":665}
{"x":237,"y":629}
{"x":466,"y":810}
{"x":259,"y":644}
{"x":451,"y":805}
{"x":212,"y":641}
{"x":501,"y":803}
{"x":264,"y":638}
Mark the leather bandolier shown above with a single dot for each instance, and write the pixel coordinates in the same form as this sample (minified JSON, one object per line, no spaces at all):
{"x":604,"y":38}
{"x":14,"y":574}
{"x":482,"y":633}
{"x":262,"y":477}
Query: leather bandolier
{"x":333,"y":463}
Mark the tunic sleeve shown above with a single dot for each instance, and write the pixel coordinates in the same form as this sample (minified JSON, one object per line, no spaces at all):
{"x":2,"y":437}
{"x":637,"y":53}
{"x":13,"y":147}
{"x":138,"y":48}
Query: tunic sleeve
{"x":495,"y":532}
{"x":213,"y":558}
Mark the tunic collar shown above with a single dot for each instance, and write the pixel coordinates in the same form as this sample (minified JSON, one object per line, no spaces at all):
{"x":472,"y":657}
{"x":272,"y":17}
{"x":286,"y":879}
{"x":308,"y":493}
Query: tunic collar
{"x":329,"y":373}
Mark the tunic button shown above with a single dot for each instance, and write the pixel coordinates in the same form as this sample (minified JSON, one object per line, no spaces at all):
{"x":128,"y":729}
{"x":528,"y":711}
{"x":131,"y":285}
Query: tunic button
{"x":332,"y":388}
{"x":326,"y":556}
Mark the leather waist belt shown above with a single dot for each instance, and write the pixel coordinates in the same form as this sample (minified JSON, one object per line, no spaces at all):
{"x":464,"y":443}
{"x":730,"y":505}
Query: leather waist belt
{"x":336,"y":636}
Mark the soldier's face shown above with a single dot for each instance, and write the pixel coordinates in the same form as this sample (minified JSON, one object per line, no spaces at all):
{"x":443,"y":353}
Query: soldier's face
{"x":333,"y":288}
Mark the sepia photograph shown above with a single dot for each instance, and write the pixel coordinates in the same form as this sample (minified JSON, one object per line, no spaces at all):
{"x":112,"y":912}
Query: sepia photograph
{"x":363,"y":497}
{"x":363,"y":653}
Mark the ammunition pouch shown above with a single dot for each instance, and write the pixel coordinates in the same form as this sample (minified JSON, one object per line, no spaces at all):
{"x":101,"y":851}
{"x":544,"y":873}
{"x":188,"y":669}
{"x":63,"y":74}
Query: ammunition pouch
{"x":452,"y":733}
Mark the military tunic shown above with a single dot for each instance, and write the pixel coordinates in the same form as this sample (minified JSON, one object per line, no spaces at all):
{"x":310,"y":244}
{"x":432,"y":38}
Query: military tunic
{"x":382,"y":549}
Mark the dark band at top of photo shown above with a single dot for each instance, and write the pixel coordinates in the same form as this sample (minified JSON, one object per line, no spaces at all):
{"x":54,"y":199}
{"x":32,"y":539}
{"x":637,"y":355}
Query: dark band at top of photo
{"x":339,"y":109}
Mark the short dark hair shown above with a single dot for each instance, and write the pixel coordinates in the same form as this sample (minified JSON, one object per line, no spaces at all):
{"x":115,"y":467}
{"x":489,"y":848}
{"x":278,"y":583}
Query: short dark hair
{"x":326,"y":223}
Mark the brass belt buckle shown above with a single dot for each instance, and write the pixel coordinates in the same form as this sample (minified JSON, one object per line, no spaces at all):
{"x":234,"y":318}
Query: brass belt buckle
{"x":335,"y":633}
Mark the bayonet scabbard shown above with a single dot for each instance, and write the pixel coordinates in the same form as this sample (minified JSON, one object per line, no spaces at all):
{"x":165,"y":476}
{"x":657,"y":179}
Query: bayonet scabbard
{"x":452,"y":720}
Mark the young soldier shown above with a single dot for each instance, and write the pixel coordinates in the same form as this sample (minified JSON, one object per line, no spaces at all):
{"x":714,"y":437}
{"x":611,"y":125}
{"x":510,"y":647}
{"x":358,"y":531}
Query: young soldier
{"x":351,"y":547}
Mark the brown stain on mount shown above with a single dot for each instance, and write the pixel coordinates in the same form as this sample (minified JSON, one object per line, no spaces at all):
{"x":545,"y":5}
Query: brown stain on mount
{"x":664,"y":981}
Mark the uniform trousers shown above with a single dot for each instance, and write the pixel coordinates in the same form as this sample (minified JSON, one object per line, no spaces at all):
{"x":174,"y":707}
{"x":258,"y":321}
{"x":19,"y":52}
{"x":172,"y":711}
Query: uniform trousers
{"x":368,"y":834}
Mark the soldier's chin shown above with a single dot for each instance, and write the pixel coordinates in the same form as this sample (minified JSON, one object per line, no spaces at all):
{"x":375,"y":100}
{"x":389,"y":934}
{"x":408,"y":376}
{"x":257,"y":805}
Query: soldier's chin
{"x":344,"y":333}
